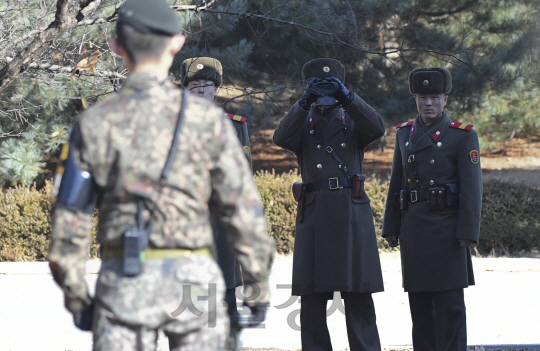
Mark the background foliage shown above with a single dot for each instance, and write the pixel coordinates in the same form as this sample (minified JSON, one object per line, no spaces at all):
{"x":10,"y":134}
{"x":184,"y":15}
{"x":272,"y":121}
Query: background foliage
{"x":490,"y":46}
{"x":510,"y":217}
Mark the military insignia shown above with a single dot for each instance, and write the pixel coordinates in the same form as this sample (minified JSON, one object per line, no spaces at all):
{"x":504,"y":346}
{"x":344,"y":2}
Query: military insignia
{"x":426,"y":82}
{"x":236,"y":117}
{"x":247,"y":149}
{"x":404,"y":124}
{"x":474,"y":156}
{"x":436,"y":135}
{"x":460,"y":125}
{"x":326,"y":69}
{"x":200,"y":66}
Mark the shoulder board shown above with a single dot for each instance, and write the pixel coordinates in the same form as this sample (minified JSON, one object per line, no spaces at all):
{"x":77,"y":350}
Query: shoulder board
{"x":236,"y":118}
{"x":460,"y":125}
{"x":405,"y":124}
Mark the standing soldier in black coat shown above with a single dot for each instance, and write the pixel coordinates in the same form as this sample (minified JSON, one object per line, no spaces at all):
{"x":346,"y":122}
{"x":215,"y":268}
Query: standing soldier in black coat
{"x":433,"y":212}
{"x":202,"y":76}
{"x":335,"y":243}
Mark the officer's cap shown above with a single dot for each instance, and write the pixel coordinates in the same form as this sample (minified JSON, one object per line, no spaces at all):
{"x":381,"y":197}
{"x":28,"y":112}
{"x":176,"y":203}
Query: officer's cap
{"x":323,"y":68}
{"x":150,"y":16}
{"x":430,"y":80}
{"x":206,"y":68}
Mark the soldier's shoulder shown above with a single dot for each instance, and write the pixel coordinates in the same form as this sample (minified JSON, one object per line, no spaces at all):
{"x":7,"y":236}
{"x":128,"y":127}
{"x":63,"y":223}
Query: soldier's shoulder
{"x":236,"y":118}
{"x":405,"y":124}
{"x":461,"y":126}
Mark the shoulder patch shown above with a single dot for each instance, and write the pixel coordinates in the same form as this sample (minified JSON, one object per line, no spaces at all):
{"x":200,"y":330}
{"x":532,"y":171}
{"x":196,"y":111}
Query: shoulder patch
{"x":236,"y":118}
{"x":405,"y":124}
{"x":459,"y":125}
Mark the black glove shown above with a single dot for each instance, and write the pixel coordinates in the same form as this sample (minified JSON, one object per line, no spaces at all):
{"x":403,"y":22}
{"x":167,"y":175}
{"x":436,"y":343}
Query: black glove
{"x":343,"y":96}
{"x":308,"y":98}
{"x":83,"y":319}
{"x":258,"y":315}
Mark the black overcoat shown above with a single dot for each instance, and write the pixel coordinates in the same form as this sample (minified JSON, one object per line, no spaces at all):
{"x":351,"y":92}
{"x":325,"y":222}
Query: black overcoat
{"x":444,"y":152}
{"x":335,"y":245}
{"x":227,"y":261}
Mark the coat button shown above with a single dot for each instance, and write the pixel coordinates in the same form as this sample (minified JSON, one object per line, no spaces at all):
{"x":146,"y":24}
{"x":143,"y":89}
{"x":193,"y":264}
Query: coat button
{"x":431,"y":182}
{"x":319,"y":166}
{"x":319,"y":146}
{"x":432,"y":161}
{"x":407,"y":143}
{"x":439,"y":144}
{"x":311,"y":131}
{"x":409,"y":180}
{"x":343,"y":145}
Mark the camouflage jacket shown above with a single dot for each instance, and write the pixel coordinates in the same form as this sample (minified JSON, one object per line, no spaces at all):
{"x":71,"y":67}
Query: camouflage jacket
{"x":123,"y":143}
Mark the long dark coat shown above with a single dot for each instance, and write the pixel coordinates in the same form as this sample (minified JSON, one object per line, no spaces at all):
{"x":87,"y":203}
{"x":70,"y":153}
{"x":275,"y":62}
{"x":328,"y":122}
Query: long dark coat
{"x":335,"y":245}
{"x":226,"y":259}
{"x":444,"y":152}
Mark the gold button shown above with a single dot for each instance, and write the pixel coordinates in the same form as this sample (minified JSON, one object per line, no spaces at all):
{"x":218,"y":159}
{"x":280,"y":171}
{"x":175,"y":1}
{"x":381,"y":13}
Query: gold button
{"x":409,"y":180}
{"x":439,"y":144}
{"x":343,"y":145}
{"x":319,"y":166}
{"x":311,"y":131}
{"x":407,"y":143}
{"x":431,"y":182}
{"x":432,"y":161}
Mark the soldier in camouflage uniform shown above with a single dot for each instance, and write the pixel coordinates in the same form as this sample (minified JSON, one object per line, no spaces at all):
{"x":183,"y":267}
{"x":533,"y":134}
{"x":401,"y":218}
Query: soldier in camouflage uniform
{"x":121,"y":145}
{"x":202,"y":76}
{"x":433,"y":212}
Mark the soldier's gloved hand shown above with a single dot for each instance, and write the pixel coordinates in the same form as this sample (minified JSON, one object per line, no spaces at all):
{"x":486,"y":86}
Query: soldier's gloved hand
{"x":392,"y":240}
{"x":258,"y":315}
{"x":343,"y":96}
{"x":309,"y":97}
{"x":83,"y":319}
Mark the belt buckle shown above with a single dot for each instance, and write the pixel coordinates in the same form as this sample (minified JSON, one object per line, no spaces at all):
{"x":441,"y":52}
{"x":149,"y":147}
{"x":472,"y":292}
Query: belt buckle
{"x":330,"y":183}
{"x":415,"y":197}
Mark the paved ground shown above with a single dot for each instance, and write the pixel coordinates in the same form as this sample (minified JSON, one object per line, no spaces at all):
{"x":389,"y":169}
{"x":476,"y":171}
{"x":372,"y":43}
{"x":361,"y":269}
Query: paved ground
{"x":503,"y":309}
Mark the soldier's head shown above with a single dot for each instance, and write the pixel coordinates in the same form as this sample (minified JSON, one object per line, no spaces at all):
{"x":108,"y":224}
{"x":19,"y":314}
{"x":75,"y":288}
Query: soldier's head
{"x":147,"y":34}
{"x":430,"y":86}
{"x":323,"y":68}
{"x":202,"y":76}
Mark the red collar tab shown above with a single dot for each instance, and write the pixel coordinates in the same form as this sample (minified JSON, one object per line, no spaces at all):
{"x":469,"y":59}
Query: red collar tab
{"x":236,"y":118}
{"x":311,"y":123}
{"x":436,"y":135}
{"x":405,"y":124}
{"x":460,"y":125}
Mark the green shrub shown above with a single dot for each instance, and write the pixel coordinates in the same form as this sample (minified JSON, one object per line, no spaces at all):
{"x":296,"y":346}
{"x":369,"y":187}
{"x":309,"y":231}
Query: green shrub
{"x":510,"y":218}
{"x":279,"y":206}
{"x":26,"y":224}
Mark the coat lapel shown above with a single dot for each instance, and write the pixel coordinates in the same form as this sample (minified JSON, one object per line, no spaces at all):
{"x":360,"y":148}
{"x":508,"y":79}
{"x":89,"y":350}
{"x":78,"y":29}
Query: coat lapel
{"x":424,"y":138}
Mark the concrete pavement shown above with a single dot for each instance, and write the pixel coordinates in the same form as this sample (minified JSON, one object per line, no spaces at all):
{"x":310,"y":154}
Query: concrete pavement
{"x":502,"y":309}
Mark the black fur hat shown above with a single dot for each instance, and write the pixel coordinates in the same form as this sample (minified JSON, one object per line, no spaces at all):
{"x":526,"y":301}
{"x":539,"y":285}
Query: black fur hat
{"x":430,"y":80}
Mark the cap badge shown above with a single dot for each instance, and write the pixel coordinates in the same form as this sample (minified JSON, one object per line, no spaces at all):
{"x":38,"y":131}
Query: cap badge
{"x":326,"y":69}
{"x":426,"y":82}
{"x":200,"y":66}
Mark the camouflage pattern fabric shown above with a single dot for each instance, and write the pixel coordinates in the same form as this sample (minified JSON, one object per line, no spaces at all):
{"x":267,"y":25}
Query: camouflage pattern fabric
{"x":123,"y":143}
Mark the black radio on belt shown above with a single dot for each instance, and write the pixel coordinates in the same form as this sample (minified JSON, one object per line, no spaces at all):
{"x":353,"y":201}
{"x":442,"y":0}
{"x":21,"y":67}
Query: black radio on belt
{"x":135,"y":242}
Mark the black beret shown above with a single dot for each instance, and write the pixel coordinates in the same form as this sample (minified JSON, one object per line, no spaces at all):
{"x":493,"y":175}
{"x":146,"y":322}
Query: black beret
{"x":206,"y":68}
{"x":323,"y":68}
{"x":430,"y":80}
{"x":150,"y":16}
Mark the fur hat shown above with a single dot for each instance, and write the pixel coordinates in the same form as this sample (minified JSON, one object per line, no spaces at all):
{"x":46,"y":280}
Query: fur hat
{"x":430,"y":80}
{"x":206,"y":68}
{"x":323,"y":68}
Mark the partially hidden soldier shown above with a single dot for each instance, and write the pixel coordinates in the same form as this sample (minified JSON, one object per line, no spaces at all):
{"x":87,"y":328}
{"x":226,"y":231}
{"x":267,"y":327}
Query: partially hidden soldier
{"x":335,"y":247}
{"x":202,"y":76}
{"x":433,"y":212}
{"x":152,"y":161}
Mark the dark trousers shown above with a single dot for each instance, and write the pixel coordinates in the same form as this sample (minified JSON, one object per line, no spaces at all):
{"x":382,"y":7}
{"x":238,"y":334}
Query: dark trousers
{"x":359,"y":315}
{"x":439,"y":320}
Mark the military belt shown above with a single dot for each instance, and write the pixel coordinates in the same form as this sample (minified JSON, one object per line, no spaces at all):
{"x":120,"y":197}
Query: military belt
{"x":418,"y":195}
{"x":334,"y":183}
{"x":108,"y":253}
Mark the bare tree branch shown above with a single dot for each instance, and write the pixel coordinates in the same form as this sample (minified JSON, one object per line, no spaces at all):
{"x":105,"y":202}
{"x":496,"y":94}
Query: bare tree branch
{"x":65,"y":19}
{"x":69,"y":70}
